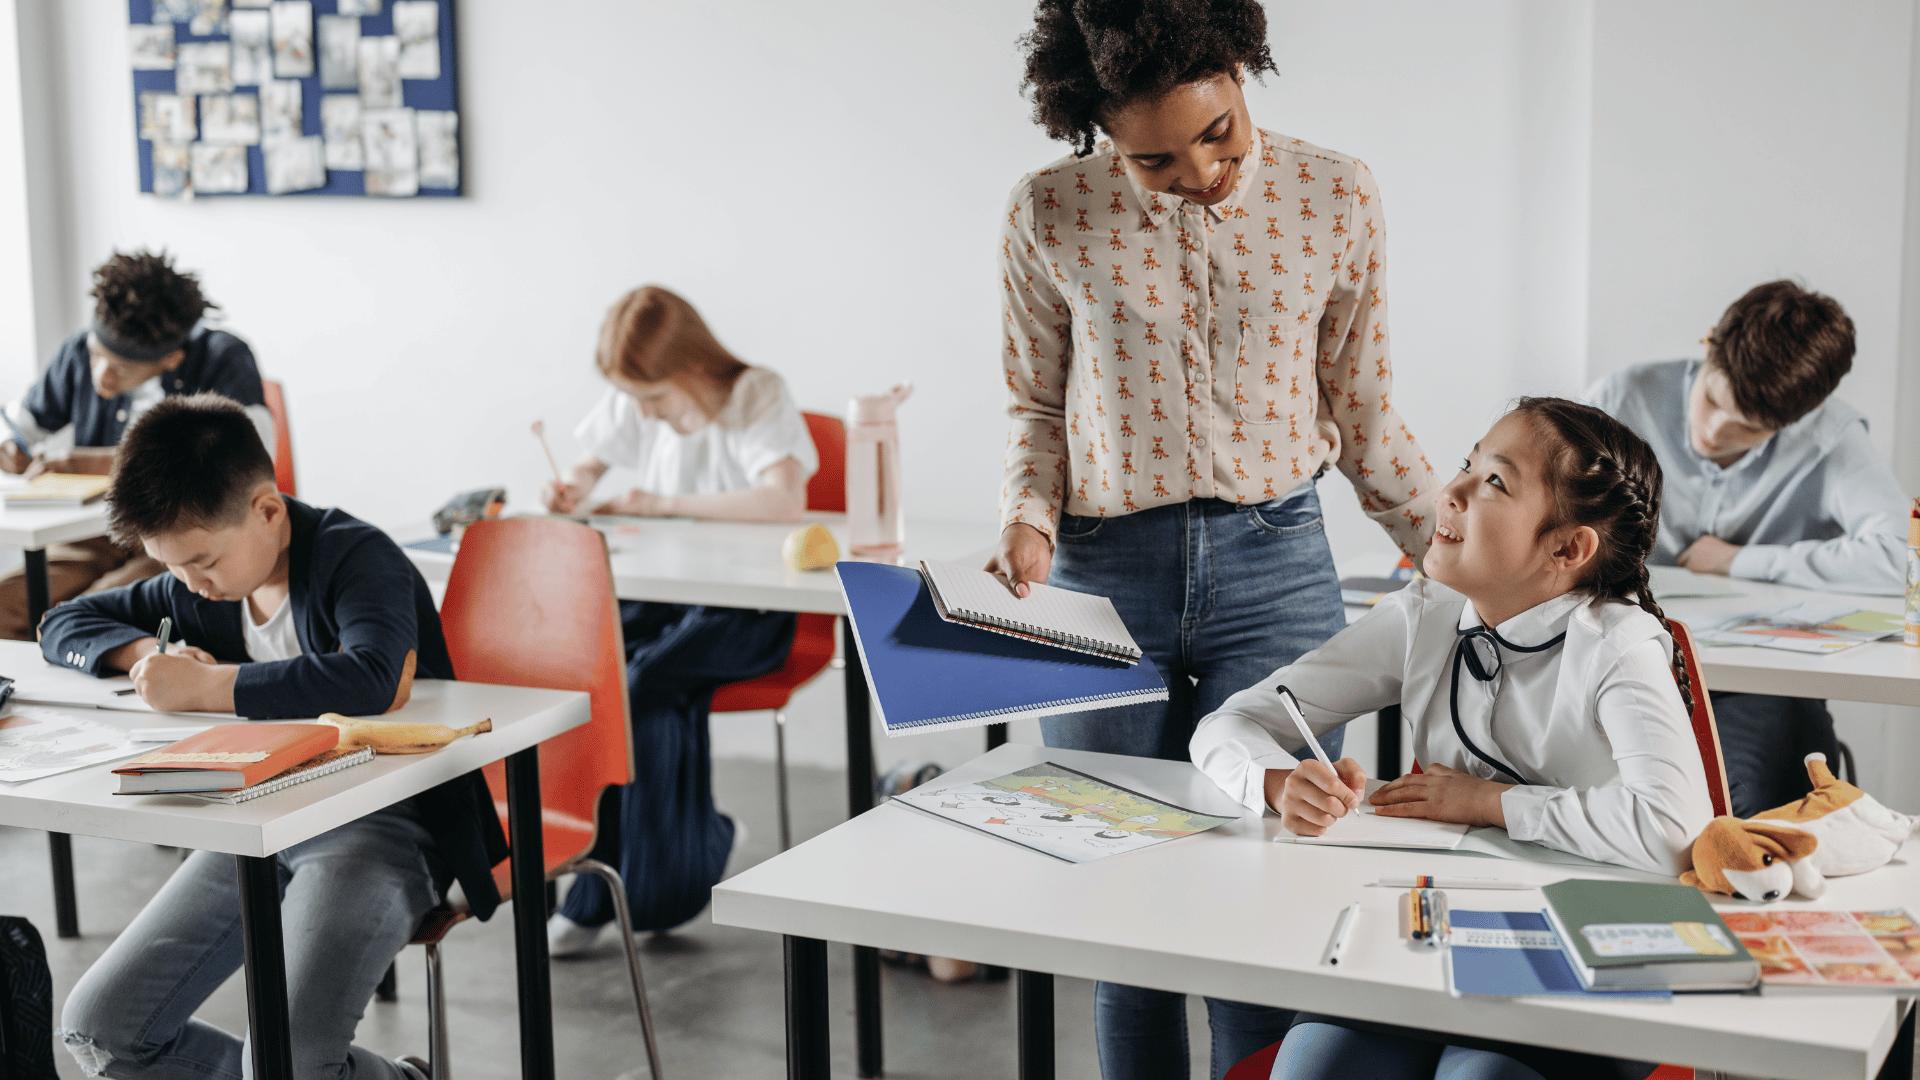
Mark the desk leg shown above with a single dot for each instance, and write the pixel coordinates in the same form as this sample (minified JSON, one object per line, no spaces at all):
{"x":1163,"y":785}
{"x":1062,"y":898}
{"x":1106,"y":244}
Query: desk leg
{"x":809,"y":1054}
{"x":529,"y":870}
{"x":268,"y":1030}
{"x":860,"y":780}
{"x":1387,"y":745}
{"x":66,"y":911}
{"x":1899,"y":1063}
{"x":1035,"y":1005}
{"x":37,"y":589}
{"x":996,"y":736}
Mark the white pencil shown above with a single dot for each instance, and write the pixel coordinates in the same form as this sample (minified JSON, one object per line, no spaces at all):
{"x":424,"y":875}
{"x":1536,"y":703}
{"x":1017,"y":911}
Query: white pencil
{"x":1286,"y":698}
{"x":1342,"y":930}
{"x":1425,"y":881}
{"x":540,"y":432}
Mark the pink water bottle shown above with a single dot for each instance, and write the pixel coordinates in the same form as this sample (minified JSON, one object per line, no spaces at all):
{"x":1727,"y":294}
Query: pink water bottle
{"x":875,"y":529}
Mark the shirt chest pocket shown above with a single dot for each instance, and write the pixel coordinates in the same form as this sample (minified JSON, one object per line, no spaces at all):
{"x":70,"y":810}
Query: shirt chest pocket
{"x":1273,"y":374}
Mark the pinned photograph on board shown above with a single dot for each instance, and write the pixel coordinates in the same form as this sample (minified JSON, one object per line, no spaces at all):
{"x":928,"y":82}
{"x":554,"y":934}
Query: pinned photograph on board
{"x":173,"y":170}
{"x":252,"y":47}
{"x":292,"y":38}
{"x":203,"y":67}
{"x":380,"y":72}
{"x":280,"y":114}
{"x":295,"y":165}
{"x":340,"y":124}
{"x":209,"y":17}
{"x":439,"y":135}
{"x":167,"y":117}
{"x":359,"y":7}
{"x":151,"y":46}
{"x":219,"y":170}
{"x":417,"y":24}
{"x":393,"y":154}
{"x":172,"y":11}
{"x":230,"y":118}
{"x":339,"y":52}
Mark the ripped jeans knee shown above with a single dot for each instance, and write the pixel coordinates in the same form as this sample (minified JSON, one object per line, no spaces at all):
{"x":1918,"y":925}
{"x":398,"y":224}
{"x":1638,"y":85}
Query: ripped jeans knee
{"x":90,"y":1055}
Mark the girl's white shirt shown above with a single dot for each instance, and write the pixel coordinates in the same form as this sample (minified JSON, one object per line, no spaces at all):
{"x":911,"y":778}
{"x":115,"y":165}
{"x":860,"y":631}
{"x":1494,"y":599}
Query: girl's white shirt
{"x":1595,"y":723}
{"x":758,"y":426}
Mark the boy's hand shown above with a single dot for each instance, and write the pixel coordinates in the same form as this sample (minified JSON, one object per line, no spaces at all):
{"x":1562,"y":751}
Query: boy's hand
{"x":126,"y":656}
{"x":173,"y":683}
{"x":561,"y":498}
{"x":13,"y":459}
{"x":92,"y":461}
{"x":1709,"y":555}
{"x":1443,"y":794}
{"x":1311,"y":797}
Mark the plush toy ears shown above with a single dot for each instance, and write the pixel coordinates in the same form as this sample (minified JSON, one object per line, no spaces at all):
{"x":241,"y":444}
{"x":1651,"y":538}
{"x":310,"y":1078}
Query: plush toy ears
{"x":1688,"y":877}
{"x":1782,"y":841}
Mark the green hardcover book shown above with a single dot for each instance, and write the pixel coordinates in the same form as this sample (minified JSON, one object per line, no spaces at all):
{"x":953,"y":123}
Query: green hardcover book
{"x":1633,"y":935}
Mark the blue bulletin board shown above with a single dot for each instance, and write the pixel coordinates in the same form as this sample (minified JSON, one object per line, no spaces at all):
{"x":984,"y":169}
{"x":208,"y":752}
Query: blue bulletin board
{"x":295,"y":97}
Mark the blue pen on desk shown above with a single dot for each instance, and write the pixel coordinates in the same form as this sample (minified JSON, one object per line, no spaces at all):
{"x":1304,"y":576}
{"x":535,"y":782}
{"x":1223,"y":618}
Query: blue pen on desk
{"x":166,"y":631}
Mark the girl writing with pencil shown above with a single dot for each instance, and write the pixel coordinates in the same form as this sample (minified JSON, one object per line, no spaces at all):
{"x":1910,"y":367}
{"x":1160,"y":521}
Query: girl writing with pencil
{"x":1544,"y":691}
{"x":710,"y":437}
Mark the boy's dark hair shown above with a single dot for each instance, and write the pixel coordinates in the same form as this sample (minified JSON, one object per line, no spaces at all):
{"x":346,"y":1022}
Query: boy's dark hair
{"x":139,"y":298}
{"x":1087,"y":57}
{"x":1783,"y":349}
{"x":1607,"y":478}
{"x":190,"y":462}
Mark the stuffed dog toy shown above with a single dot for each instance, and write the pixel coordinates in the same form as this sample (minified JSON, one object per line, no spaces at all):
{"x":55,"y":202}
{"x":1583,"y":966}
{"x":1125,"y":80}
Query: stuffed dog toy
{"x":1835,"y":831}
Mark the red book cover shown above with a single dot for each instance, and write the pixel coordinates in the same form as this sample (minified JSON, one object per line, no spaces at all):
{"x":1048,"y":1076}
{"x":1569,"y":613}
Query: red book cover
{"x":250,"y":752}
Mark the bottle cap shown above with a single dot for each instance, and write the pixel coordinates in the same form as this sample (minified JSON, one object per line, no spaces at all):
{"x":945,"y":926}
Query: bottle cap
{"x":878,"y":408}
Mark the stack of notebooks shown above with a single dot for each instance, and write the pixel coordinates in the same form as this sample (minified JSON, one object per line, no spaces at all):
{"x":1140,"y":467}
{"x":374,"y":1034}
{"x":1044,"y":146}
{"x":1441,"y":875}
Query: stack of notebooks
{"x":60,"y":490}
{"x":949,"y":646}
{"x":235,"y":763}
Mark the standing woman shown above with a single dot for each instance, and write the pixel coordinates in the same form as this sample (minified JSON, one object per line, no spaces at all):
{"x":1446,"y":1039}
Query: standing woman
{"x":1196,"y":326}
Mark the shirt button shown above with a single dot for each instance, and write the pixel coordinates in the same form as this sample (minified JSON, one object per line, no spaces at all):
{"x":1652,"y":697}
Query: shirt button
{"x":1200,"y":444}
{"x":121,"y":415}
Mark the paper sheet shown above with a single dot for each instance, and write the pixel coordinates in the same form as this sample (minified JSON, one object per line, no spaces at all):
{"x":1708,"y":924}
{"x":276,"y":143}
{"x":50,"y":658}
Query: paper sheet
{"x":38,"y":742}
{"x":1366,"y":828}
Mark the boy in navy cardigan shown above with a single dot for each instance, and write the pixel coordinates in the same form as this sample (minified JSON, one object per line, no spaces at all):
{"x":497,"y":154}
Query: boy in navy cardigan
{"x":283,"y":610}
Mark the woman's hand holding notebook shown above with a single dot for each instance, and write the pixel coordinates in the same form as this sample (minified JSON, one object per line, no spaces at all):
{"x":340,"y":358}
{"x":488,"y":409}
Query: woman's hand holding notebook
{"x":1060,"y":617}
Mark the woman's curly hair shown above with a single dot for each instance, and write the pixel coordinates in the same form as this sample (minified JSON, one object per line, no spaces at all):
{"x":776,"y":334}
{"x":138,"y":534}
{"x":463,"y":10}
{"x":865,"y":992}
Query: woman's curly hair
{"x":1087,"y":57}
{"x":139,"y":296}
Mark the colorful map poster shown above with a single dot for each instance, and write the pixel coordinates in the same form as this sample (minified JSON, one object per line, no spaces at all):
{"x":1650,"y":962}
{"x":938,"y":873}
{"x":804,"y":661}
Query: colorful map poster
{"x":1809,"y":626}
{"x":1061,"y":812}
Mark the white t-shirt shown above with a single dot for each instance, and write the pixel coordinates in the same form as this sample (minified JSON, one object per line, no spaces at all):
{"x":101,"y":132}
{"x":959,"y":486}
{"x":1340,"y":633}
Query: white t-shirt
{"x":758,"y":426}
{"x":274,"y":639}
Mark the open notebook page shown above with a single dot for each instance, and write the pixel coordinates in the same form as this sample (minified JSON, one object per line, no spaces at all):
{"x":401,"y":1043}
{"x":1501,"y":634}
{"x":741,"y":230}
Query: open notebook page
{"x":1364,"y":828}
{"x":978,"y":596}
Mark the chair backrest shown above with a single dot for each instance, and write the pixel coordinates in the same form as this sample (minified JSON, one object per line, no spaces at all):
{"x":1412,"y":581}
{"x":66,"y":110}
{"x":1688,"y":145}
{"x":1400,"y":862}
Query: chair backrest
{"x":282,"y":448}
{"x":1705,"y":732}
{"x":530,"y":603}
{"x":827,"y":489}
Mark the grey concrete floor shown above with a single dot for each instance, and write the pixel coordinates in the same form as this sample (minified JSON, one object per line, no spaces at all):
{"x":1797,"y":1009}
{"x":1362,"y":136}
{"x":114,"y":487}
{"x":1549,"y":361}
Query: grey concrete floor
{"x":716,"y":991}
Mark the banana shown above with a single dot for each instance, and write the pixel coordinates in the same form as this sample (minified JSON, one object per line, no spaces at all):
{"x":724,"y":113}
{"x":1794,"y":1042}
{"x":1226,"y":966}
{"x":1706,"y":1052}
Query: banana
{"x":398,"y":737}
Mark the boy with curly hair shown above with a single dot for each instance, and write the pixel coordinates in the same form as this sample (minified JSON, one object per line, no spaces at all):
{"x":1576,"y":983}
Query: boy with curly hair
{"x":146,"y":342}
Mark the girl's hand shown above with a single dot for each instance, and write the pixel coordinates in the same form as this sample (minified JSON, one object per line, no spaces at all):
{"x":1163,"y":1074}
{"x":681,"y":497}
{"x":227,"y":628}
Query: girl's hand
{"x":561,"y":498}
{"x":638,"y":502}
{"x":1443,"y":794}
{"x":1024,"y":556}
{"x":1311,"y":797}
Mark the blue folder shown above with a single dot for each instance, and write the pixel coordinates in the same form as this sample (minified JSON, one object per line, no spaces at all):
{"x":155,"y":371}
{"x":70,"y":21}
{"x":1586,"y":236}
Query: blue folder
{"x":927,"y":673}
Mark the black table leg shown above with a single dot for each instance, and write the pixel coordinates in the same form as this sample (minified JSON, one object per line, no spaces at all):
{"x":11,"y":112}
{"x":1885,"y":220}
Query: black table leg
{"x":37,"y":590}
{"x":529,"y":870}
{"x":996,"y":736}
{"x":66,"y":912}
{"x":1387,"y":747}
{"x":268,"y":1029}
{"x":809,"y":1054}
{"x":1035,"y":1005}
{"x":1899,"y":1063}
{"x":860,"y":780}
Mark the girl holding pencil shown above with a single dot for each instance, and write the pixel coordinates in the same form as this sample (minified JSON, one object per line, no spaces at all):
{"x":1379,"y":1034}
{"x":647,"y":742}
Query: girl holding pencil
{"x":709,"y":436}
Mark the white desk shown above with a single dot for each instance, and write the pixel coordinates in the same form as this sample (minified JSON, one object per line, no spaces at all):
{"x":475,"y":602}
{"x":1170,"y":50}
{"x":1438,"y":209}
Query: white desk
{"x":81,"y":801}
{"x":36,"y":529}
{"x":1230,"y":915}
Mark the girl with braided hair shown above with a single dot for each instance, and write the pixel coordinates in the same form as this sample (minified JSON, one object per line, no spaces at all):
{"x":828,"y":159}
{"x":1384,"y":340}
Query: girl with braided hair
{"x":1544,"y":689}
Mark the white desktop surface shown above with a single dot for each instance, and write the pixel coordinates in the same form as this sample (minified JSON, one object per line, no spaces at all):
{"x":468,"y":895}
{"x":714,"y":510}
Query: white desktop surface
{"x":82,"y":800}
{"x":42,"y":526}
{"x":737,"y":564}
{"x":1230,"y":915}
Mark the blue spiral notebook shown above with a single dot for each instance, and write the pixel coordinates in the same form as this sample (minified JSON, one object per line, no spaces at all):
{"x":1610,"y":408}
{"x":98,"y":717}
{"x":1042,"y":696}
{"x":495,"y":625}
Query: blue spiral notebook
{"x":927,"y":674}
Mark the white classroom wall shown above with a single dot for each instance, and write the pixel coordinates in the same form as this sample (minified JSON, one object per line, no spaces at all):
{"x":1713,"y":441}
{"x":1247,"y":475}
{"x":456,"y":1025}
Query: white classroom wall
{"x":823,"y":180}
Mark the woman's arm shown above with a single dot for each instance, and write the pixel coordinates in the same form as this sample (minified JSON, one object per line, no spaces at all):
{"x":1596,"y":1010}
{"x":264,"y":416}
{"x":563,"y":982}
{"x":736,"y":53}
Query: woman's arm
{"x":1648,"y":820}
{"x":781,"y":497}
{"x":1035,"y":354}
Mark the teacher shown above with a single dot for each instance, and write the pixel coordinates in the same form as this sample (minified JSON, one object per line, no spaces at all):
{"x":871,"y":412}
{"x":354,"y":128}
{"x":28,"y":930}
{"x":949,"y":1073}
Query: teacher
{"x":1196,"y":327}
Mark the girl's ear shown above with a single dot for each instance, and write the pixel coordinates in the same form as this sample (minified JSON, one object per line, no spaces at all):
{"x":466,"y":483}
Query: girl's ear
{"x":1575,"y":549}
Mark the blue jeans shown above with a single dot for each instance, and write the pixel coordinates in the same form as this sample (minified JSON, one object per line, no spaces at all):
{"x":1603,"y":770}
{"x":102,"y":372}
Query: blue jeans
{"x":1322,"y":1047}
{"x":349,"y":901}
{"x":661,"y":831}
{"x":1765,"y":740}
{"x":1219,"y":596}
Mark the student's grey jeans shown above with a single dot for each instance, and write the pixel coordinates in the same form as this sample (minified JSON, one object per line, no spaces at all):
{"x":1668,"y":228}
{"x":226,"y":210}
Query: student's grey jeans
{"x":349,"y":901}
{"x":1218,"y":595}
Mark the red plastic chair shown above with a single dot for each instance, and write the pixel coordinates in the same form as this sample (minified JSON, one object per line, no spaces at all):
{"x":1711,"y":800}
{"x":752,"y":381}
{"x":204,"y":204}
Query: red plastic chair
{"x":530,"y":603}
{"x":813,"y":638}
{"x":276,"y":399}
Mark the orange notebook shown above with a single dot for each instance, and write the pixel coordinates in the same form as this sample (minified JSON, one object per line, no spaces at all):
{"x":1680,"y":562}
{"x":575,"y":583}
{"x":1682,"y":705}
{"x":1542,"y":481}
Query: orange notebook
{"x":227,"y":757}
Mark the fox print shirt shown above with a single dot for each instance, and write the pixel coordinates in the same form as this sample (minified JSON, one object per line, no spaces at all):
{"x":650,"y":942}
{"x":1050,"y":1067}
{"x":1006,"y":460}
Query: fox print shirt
{"x":1158,"y":351}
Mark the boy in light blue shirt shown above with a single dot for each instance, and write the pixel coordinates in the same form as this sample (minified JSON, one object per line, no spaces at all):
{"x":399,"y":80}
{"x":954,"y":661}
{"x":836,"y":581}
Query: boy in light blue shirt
{"x":1768,"y":478}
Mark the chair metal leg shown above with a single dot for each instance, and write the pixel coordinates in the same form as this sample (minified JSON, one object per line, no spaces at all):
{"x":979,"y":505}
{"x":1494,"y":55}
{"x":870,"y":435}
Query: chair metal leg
{"x":618,"y":888}
{"x":780,"y":771}
{"x":438,"y":1063}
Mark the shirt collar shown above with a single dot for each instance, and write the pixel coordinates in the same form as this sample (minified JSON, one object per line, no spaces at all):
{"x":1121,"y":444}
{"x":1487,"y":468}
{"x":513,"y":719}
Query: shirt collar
{"x":1158,"y":207}
{"x":1536,"y":625}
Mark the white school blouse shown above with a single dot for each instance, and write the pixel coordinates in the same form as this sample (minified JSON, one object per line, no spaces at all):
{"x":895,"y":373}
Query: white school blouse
{"x":1594,"y":724}
{"x":758,"y":427}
